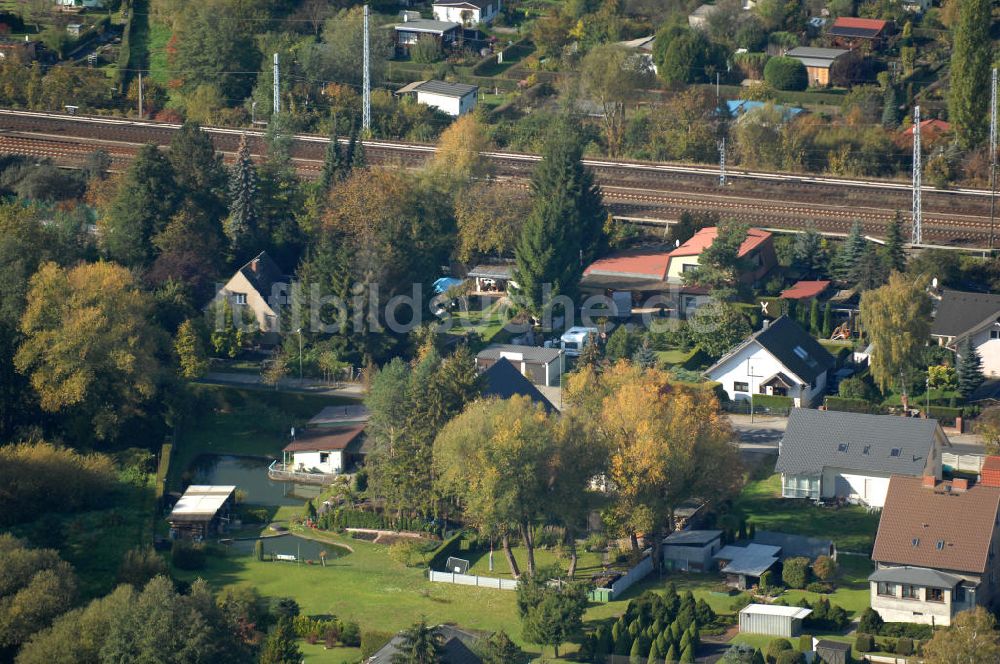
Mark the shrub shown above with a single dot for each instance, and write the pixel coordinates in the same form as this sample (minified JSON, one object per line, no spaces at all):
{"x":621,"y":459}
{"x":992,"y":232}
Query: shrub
{"x":595,"y":543}
{"x":825,"y":568}
{"x":140,"y":565}
{"x":426,"y":50}
{"x":915,"y":631}
{"x":372,"y":642}
{"x":350,"y":635}
{"x":819,"y":588}
{"x":852,"y":405}
{"x":864,"y":643}
{"x":805,"y":643}
{"x":904,"y":646}
{"x":790,"y":657}
{"x":786,"y":73}
{"x":766,"y":580}
{"x":870,"y":622}
{"x":795,"y":572}
{"x":776,"y":647}
{"x":187,"y":555}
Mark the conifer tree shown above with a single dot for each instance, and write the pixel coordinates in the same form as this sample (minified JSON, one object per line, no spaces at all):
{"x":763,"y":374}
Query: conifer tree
{"x":687,"y":656}
{"x":814,"y":319}
{"x":190,"y":348}
{"x":827,"y":321}
{"x":281,"y":646}
{"x":352,"y":145}
{"x":242,"y":225}
{"x":969,"y":369}
{"x":565,"y":230}
{"x":198,"y":170}
{"x":971,"y":55}
{"x":332,"y":161}
{"x":672,"y":657}
{"x":890,"y":110}
{"x":654,"y":654}
{"x":635,"y":654}
{"x":850,"y":254}
{"x":895,"y":254}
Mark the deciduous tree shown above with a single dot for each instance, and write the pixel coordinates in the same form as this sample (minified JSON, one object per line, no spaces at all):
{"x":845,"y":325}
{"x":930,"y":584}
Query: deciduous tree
{"x":896,"y":319}
{"x":190,"y":348}
{"x":91,"y":348}
{"x":971,"y":637}
{"x":611,"y":75}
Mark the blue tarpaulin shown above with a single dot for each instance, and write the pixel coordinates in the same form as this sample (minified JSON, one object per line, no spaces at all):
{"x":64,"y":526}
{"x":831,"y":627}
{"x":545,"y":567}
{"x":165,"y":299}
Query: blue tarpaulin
{"x":444,"y":283}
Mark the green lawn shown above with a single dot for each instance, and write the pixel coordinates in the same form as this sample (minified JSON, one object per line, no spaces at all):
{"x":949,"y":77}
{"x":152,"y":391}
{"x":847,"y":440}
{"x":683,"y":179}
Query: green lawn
{"x":851,"y":528}
{"x":675,"y":356}
{"x":587,"y":563}
{"x":852,"y":593}
{"x":230,"y":420}
{"x":159,"y":35}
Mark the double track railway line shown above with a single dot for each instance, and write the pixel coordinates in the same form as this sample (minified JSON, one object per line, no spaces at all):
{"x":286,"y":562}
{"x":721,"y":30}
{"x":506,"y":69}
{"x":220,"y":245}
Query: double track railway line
{"x":654,"y":192}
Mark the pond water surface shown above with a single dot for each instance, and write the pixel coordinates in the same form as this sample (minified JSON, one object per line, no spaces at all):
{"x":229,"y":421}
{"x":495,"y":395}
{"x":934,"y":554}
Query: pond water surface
{"x":249,"y":474}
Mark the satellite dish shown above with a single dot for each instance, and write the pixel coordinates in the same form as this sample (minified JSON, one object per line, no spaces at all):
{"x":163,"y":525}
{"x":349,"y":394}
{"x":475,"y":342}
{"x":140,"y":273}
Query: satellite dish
{"x":934,"y":282}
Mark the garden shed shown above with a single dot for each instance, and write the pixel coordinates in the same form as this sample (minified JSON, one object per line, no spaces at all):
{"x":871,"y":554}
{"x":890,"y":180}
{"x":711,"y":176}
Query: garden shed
{"x":203,"y":511}
{"x":833,"y":652}
{"x":772,"y":620}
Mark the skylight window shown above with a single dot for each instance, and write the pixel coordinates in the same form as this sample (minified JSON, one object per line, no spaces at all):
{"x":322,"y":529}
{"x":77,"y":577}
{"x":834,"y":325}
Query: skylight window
{"x":843,"y":447}
{"x":940,"y":545}
{"x":896,"y":451}
{"x":867,"y":450}
{"x":801,"y":352}
{"x":916,"y":541}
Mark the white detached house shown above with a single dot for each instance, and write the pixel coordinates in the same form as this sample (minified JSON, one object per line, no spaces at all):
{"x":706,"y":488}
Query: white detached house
{"x":781,"y":359}
{"x":973,"y":316}
{"x":467,"y":12}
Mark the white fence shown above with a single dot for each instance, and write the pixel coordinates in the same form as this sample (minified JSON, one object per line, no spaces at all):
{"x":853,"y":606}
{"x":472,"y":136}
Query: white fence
{"x":473,"y":580}
{"x":634,"y":576}
{"x":969,"y":463}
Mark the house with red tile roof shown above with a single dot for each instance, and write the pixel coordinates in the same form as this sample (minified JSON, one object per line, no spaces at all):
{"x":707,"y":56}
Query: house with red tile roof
{"x":658,"y":270}
{"x":851,"y":32}
{"x":805,"y":290}
{"x":937,"y":550}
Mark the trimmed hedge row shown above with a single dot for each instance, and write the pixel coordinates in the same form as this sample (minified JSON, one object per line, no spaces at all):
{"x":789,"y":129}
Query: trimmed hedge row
{"x":448,"y":548}
{"x":846,"y":405}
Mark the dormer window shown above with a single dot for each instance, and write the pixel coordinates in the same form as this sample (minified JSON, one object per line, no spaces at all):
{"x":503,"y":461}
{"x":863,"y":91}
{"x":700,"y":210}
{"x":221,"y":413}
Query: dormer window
{"x":895,"y":452}
{"x":843,"y":447}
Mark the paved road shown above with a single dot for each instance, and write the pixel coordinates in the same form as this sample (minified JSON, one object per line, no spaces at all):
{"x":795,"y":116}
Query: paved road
{"x":308,"y":385}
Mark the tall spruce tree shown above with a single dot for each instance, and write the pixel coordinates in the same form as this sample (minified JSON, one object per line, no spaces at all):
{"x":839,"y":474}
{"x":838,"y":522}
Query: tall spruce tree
{"x":890,"y":107}
{"x":141,"y":208}
{"x":895,"y":254}
{"x":565,"y":230}
{"x":244,"y":214}
{"x":333,"y":163}
{"x":971,"y":55}
{"x":198,"y":169}
{"x":851,"y":253}
{"x":969,"y":369}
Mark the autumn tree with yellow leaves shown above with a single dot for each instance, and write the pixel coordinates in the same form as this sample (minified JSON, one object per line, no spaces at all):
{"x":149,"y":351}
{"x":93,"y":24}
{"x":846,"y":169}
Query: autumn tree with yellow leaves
{"x":666,"y":444}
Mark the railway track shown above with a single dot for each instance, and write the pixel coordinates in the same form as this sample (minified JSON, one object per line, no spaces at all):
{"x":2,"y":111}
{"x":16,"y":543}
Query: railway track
{"x":650,"y":191}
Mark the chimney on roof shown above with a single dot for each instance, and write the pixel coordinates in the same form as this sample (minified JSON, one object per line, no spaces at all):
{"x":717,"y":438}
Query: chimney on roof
{"x":767,"y":324}
{"x":960,"y":484}
{"x":929,"y":481}
{"x":255,"y":265}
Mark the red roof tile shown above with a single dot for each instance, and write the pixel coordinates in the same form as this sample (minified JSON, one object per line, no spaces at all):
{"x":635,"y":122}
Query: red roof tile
{"x":803,"y":290}
{"x":867,"y":23}
{"x":916,"y":518}
{"x":706,"y":236}
{"x":324,"y":439}
{"x":931,"y":127}
{"x":649,"y":262}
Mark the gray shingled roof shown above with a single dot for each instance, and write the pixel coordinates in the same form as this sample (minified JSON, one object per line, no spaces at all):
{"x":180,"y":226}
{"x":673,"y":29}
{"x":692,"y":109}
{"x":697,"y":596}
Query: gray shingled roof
{"x":447,"y":89}
{"x":426,"y":25}
{"x":692,"y":537}
{"x":530,"y":354}
{"x":960,"y":311}
{"x":816,"y":439}
{"x":918,"y":576}
{"x":751,"y":560}
{"x":503,"y":380}
{"x":791,"y":345}
{"x":456,"y":645}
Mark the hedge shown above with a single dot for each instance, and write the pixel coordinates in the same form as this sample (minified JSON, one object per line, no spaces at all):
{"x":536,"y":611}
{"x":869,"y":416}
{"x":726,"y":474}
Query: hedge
{"x":946,"y":414}
{"x":786,"y":73}
{"x":845,"y":405}
{"x":448,"y":548}
{"x":773,"y":402}
{"x":162,"y":468}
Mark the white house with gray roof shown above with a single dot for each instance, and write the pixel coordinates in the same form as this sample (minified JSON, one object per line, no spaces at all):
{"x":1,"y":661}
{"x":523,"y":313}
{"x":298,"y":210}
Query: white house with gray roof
{"x":972,"y":316}
{"x":451,"y":98}
{"x":830,"y":454}
{"x":782,"y":359}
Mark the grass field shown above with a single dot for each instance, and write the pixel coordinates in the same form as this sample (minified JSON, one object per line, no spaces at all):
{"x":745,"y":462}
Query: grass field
{"x":851,"y":528}
{"x":159,"y":35}
{"x":587,"y":563}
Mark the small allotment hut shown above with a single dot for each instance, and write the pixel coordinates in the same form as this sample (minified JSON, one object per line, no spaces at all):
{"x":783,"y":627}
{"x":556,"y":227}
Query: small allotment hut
{"x":203,"y":511}
{"x":772,"y":620}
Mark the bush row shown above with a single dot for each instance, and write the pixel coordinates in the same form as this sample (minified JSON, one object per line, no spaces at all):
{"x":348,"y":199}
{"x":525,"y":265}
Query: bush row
{"x":353,"y":518}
